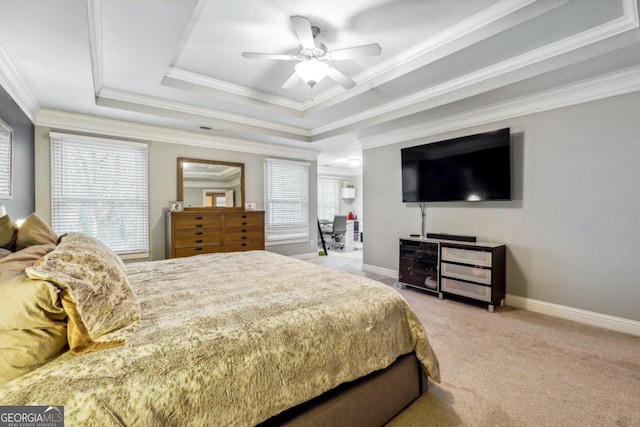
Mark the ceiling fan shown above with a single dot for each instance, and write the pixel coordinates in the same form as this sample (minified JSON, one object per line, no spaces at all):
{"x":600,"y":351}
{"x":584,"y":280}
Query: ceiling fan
{"x":312,"y":56}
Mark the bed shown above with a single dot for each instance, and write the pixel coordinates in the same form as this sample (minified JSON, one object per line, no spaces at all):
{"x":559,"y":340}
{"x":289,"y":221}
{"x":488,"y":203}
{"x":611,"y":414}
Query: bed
{"x":239,"y":338}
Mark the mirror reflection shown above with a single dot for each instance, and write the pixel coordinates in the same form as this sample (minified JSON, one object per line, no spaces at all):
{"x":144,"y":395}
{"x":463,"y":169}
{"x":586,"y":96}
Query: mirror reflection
{"x":210,"y":184}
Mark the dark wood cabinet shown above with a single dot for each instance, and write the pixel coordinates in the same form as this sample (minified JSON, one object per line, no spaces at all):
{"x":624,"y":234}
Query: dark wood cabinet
{"x":471,"y":271}
{"x":201,"y":232}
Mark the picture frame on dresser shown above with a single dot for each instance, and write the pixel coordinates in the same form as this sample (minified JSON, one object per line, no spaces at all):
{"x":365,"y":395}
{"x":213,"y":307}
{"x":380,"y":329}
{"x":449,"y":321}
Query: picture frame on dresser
{"x":176,"y":206}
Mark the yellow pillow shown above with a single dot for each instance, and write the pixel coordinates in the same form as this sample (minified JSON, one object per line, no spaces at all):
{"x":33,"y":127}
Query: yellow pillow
{"x":8,"y":233}
{"x":96,"y":296}
{"x":15,"y":263}
{"x":32,"y":325}
{"x":35,"y":231}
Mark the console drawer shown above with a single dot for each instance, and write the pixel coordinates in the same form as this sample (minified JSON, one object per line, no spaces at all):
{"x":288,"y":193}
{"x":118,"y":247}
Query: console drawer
{"x":466,"y":272}
{"x":197,"y":250}
{"x":477,"y":292}
{"x":466,"y":256}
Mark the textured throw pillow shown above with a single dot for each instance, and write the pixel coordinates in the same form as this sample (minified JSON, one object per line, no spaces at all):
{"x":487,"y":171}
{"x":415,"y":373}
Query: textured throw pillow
{"x":34,"y":231}
{"x":96,"y":296}
{"x":16,"y":262}
{"x":33,"y":327}
{"x":8,"y":233}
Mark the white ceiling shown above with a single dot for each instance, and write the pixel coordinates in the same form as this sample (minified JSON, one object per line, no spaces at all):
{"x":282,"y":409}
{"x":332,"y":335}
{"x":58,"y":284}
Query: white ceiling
{"x":445,"y":64}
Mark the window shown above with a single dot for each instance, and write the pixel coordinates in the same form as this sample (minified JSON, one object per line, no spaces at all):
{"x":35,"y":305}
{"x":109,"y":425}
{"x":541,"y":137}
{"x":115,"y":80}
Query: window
{"x":6,"y":146}
{"x":286,"y":200}
{"x":100,"y":187}
{"x":328,"y":197}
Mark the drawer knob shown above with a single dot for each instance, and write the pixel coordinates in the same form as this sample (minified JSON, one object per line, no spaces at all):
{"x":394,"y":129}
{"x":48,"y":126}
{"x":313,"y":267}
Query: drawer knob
{"x":244,"y":223}
{"x":243,"y":216}
{"x":198,"y":217}
{"x":199,"y":233}
{"x":199,"y":241}
{"x":198,"y":225}
{"x":198,"y":249}
{"x":244,"y":244}
{"x":244,"y":230}
{"x":244,"y":237}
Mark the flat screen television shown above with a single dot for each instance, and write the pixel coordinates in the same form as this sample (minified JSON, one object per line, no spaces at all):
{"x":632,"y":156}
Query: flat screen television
{"x":469,"y":168}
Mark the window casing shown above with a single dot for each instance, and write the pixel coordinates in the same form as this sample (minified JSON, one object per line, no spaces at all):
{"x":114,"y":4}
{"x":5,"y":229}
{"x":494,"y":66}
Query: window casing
{"x":6,"y":161}
{"x":100,"y":187}
{"x":286,"y":201}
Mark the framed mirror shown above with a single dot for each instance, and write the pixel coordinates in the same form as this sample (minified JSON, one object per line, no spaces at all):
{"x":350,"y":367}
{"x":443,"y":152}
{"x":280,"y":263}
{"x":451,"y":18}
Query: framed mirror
{"x":210,"y":184}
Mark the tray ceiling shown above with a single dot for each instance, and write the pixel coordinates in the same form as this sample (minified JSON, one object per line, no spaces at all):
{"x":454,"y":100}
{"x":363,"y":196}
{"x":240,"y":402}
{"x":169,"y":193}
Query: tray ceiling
{"x":445,"y":64}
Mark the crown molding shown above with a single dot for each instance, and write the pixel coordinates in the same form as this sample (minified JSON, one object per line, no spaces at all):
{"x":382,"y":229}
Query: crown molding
{"x":625,"y":23}
{"x":121,"y":99}
{"x":82,"y":123}
{"x":587,"y":90}
{"x":233,"y":92}
{"x":16,"y":87}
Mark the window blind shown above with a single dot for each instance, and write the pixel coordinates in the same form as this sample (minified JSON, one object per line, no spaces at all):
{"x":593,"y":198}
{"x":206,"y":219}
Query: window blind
{"x":100,"y":188}
{"x":286,"y":200}
{"x":5,"y":161}
{"x":328,"y":197}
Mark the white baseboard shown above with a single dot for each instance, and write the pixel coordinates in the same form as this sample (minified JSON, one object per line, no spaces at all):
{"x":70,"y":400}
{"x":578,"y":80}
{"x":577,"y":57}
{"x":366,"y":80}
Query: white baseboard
{"x":387,"y":272}
{"x":618,"y":324}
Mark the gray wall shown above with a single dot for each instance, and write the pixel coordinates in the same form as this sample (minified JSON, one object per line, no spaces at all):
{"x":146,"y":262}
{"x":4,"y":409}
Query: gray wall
{"x":163,"y":186}
{"x":572,"y":232}
{"x":23,"y":202}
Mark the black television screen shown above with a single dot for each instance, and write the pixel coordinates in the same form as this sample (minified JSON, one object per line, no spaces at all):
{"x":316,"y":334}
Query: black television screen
{"x":470,"y":168}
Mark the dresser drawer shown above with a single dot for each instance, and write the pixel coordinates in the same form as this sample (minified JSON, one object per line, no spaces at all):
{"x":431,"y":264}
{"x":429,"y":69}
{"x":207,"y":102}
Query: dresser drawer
{"x":196,"y":220}
{"x":466,"y":272}
{"x":196,"y":237}
{"x":466,"y":256}
{"x":248,"y":245}
{"x":197,"y":250}
{"x":477,"y":292}
{"x":249,"y":232}
{"x":243,"y":218}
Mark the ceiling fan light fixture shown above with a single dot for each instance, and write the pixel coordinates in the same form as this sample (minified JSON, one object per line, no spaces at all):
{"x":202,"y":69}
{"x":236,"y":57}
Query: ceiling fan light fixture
{"x":312,"y":71}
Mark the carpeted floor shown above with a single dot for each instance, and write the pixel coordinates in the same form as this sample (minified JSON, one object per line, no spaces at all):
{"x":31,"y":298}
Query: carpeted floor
{"x":517,"y":368}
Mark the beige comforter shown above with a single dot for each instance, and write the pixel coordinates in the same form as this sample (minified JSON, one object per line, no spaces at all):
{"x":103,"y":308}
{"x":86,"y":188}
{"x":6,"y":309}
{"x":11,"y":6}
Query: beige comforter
{"x":230,"y":339}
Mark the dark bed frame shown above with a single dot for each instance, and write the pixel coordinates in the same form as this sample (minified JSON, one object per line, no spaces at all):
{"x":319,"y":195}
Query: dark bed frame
{"x":369,"y":401}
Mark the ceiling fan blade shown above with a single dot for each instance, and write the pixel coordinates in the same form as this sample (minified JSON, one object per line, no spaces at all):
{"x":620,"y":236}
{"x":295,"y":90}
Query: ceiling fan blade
{"x":356,"y":52}
{"x":291,"y":81}
{"x":340,"y":78}
{"x":256,"y":55}
{"x":302,"y":28}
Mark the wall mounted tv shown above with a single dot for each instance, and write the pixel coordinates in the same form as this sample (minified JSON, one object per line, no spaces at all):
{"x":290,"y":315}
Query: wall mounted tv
{"x":470,"y":168}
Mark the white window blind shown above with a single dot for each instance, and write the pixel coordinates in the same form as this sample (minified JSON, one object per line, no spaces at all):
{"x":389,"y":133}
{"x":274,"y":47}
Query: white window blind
{"x":286,"y":200}
{"x":328,"y":197}
{"x":100,"y":188}
{"x":6,"y":136}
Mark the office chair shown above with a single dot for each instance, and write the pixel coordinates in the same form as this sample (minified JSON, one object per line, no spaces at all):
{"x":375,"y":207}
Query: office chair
{"x":338,"y":231}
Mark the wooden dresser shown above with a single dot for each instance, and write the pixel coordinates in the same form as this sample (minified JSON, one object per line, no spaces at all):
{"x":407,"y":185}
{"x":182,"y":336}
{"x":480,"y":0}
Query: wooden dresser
{"x":201,"y":232}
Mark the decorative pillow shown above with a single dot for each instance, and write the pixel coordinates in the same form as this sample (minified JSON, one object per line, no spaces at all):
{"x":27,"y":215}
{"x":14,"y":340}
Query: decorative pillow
{"x":16,"y":262}
{"x":33,"y":328}
{"x":4,"y":252}
{"x":8,"y":233}
{"x":96,"y":296}
{"x":34,"y":231}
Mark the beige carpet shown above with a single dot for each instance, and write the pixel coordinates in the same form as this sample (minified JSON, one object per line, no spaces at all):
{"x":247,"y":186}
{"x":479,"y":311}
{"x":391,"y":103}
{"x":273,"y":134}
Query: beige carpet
{"x":518,"y":368}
